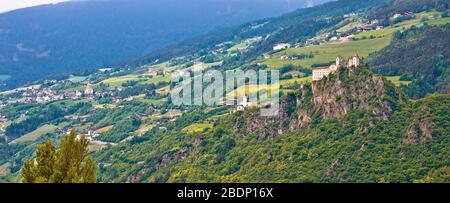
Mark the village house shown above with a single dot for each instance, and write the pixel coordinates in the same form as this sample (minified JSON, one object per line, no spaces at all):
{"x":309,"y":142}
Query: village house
{"x":310,"y":42}
{"x":366,"y":27}
{"x":152,"y":72}
{"x":281,"y":46}
{"x":350,"y":15}
{"x":117,"y":99}
{"x":103,"y":70}
{"x":335,"y":38}
{"x":70,"y":95}
{"x":39,"y":95}
{"x":398,"y":15}
{"x":284,"y":57}
{"x":321,"y":72}
{"x":92,"y":133}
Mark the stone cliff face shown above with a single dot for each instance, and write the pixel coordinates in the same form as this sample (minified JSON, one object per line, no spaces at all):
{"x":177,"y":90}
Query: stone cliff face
{"x":354,"y":88}
{"x":420,"y":129}
{"x":333,"y":97}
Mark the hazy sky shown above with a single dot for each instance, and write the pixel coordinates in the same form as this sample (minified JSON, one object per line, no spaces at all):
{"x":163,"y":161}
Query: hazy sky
{"x":7,"y":5}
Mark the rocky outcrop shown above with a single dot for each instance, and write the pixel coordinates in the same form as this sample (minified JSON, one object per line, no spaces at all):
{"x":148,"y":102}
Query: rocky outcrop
{"x":420,"y":129}
{"x":333,"y":168}
{"x":354,"y":88}
{"x":136,"y":177}
{"x":165,"y":159}
{"x":333,"y":97}
{"x":266,"y":126}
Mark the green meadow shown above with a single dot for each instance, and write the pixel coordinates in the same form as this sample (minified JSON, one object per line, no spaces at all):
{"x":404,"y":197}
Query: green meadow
{"x":364,"y":43}
{"x":397,"y":82}
{"x":328,"y":52}
{"x":197,"y":127}
{"x":77,"y":79}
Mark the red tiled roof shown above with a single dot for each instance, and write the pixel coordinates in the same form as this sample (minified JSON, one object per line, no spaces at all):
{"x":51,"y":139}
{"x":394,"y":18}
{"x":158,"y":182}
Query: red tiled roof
{"x":321,"y":68}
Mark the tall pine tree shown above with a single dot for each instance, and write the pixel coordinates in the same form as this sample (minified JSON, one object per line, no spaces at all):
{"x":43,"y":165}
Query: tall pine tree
{"x":68,"y":164}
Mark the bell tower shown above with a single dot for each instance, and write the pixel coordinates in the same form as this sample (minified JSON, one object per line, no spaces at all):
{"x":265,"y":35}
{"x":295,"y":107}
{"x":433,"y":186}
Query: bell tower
{"x":339,"y":61}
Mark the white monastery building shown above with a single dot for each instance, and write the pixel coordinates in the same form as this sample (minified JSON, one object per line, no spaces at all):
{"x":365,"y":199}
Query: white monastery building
{"x":321,"y":72}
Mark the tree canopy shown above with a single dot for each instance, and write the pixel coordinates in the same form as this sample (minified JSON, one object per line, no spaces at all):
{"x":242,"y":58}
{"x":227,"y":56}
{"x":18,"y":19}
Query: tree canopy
{"x":68,"y":164}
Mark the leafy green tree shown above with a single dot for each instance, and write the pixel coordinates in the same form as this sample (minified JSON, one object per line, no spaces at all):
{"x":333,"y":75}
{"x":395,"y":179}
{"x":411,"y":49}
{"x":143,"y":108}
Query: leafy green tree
{"x":68,"y":164}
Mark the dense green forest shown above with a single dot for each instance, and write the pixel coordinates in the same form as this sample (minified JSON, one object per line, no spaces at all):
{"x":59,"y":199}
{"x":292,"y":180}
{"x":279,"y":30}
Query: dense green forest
{"x":4,"y":153}
{"x":418,"y":54}
{"x":40,"y":116}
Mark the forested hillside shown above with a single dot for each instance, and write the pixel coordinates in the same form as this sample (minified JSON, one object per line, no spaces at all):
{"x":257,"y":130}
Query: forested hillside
{"x":421,"y":55}
{"x":400,"y":6}
{"x":363,"y":98}
{"x":400,"y":141}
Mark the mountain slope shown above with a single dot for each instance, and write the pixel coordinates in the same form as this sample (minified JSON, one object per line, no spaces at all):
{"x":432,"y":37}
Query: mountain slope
{"x":304,"y":144}
{"x":58,"y":39}
{"x":405,"y":56}
{"x":294,"y":26}
{"x":352,"y":126}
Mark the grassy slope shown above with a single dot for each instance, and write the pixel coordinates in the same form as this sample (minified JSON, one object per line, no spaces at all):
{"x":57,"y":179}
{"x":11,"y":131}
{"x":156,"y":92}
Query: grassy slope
{"x":197,"y":127}
{"x":32,"y":136}
{"x":396,"y":80}
{"x":327,"y":52}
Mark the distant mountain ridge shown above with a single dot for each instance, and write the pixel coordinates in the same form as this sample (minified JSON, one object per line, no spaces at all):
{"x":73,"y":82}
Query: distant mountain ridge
{"x":58,"y":39}
{"x":303,"y":23}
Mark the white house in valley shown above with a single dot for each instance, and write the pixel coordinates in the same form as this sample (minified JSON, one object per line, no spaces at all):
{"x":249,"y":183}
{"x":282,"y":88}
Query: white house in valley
{"x":281,"y":46}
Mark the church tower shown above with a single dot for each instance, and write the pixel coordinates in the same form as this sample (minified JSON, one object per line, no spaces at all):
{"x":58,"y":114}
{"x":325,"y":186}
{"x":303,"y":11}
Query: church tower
{"x":339,"y":61}
{"x":355,"y":61}
{"x":88,"y":90}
